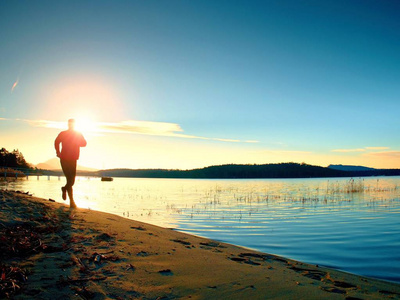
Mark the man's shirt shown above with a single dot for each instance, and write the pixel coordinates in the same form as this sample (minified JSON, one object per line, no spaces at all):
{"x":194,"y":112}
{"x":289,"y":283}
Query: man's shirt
{"x":71,"y":141}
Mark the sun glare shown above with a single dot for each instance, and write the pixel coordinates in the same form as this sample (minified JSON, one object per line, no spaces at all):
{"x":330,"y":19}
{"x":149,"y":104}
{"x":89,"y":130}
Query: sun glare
{"x":85,"y":124}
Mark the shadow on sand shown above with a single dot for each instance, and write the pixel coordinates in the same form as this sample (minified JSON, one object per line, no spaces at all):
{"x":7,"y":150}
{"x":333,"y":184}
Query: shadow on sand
{"x":40,"y":239}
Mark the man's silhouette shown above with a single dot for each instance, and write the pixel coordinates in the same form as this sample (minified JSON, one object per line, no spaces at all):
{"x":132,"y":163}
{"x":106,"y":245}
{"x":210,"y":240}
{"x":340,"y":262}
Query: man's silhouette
{"x":71,"y":141}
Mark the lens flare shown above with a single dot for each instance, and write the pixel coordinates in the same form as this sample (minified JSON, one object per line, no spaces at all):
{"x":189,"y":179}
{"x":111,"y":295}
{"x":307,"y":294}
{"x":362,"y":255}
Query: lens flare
{"x":14,"y":85}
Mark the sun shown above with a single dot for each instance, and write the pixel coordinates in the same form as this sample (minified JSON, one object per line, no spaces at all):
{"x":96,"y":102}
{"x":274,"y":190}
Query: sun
{"x":85,"y":124}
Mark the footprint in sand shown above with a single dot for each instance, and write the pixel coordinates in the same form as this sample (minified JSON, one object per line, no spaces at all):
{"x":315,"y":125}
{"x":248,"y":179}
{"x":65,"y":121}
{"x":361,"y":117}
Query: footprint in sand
{"x":212,"y":244}
{"x":138,"y":228}
{"x":142,"y":254}
{"x":333,"y":290}
{"x":389,"y":293}
{"x":245,"y":260}
{"x":104,"y":237}
{"x":166,"y":272}
{"x":344,"y":285}
{"x":181,"y":242}
{"x":320,"y":275}
{"x":313,"y":274}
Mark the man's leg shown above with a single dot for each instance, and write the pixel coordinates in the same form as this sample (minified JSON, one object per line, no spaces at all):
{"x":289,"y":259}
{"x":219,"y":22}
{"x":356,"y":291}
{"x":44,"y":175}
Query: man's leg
{"x":71,"y":198}
{"x":64,"y":193}
{"x":64,"y":167}
{"x":69,"y":169}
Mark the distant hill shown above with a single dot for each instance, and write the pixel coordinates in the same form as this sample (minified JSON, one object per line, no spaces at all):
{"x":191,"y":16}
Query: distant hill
{"x":54,"y":165}
{"x":51,"y":164}
{"x":282,"y":170}
{"x":350,"y":168}
{"x":355,"y":171}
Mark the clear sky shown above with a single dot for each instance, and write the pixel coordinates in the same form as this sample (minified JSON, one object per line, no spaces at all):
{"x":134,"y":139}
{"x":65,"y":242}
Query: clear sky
{"x":185,"y":84}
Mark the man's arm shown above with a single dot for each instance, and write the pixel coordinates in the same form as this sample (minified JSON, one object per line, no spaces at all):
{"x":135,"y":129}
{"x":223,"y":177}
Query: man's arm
{"x":83,"y":142}
{"x":57,"y":145}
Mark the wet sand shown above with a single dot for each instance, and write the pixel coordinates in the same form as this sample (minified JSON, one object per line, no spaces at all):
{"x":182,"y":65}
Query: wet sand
{"x":49,"y":251}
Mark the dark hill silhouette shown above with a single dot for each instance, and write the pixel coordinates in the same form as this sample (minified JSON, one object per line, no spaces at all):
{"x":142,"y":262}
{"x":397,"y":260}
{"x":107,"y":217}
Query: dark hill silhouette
{"x":365,"y":171}
{"x":350,"y":168}
{"x":15,"y":159}
{"x":282,"y":170}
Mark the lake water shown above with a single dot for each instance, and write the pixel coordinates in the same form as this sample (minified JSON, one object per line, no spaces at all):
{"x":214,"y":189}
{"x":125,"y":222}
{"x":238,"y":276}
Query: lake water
{"x":350,"y":225}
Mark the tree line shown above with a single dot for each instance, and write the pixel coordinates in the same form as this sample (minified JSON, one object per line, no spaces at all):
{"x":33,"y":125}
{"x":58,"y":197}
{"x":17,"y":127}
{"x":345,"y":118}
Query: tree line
{"x":282,"y":170}
{"x":13,"y":159}
{"x":231,"y":171}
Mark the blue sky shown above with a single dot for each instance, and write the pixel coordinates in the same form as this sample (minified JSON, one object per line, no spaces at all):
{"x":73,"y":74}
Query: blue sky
{"x":211,"y":82}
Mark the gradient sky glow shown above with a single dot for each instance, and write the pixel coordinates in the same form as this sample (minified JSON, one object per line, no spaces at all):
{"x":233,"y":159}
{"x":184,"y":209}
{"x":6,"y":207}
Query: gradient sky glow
{"x":185,"y":84}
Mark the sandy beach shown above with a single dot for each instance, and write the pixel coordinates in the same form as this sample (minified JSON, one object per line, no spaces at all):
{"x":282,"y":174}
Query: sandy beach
{"x":49,"y":251}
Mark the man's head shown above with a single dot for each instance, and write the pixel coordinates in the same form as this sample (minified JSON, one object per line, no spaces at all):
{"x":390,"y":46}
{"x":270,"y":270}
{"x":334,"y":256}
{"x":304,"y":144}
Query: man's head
{"x":71,"y":124}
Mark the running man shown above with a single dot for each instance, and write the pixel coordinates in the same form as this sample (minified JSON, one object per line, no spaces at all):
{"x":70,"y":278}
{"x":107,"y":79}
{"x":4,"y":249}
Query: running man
{"x":71,"y":141}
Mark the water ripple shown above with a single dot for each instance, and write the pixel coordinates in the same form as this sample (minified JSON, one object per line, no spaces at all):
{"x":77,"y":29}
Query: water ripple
{"x":318,"y":221}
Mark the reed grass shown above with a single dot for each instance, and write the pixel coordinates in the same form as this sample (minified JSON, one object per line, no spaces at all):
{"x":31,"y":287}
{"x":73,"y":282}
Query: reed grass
{"x":243,"y":200}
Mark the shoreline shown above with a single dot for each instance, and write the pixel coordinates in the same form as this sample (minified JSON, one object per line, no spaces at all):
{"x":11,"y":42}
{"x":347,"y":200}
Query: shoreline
{"x":95,"y":255}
